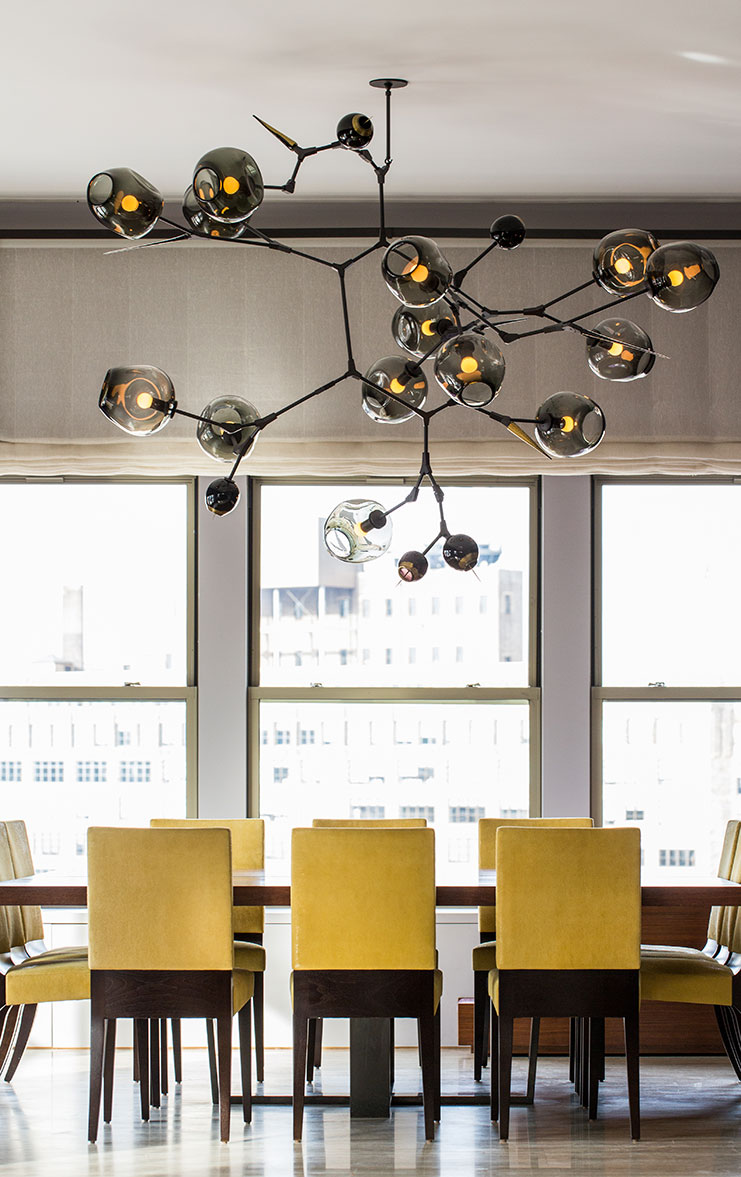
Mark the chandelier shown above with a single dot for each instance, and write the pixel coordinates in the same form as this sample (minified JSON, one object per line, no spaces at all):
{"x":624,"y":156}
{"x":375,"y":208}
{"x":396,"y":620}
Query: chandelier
{"x":438,"y":324}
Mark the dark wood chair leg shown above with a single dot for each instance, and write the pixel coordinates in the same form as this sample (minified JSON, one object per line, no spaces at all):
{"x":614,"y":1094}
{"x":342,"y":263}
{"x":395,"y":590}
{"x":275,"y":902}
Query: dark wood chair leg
{"x":632,"y":1049}
{"x":224,"y":1035}
{"x":318,"y":1043}
{"x":532,"y":1062}
{"x":392,"y":1054}
{"x":311,"y":1048}
{"x":142,"y":1048}
{"x":135,"y":1059}
{"x":245,"y":1060}
{"x":177,"y":1050}
{"x":727,"y":1024}
{"x":583,"y":1091}
{"x":596,"y":1061}
{"x":8,"y":1032}
{"x":163,"y":1055}
{"x":480,"y":1002}
{"x":97,"y":1039}
{"x":154,"y":1062}
{"x":27,"y":1017}
{"x":300,"y":1040}
{"x":505,"y":1073}
{"x":426,"y":1024}
{"x":212,"y":1061}
{"x":572,"y":1049}
{"x":494,"y":1100}
{"x":109,"y":1056}
{"x":258,"y":1013}
{"x":436,"y":1025}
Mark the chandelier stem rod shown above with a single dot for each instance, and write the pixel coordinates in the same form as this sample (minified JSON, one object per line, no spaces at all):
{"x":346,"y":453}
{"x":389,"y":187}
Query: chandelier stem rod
{"x":346,"y":320}
{"x":568,"y":294}
{"x":307,"y":396}
{"x":343,"y":266}
{"x":605,"y":306}
{"x":467,"y":269}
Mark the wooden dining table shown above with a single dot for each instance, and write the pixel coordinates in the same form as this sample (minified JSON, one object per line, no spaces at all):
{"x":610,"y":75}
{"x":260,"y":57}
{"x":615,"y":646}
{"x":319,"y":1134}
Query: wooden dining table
{"x":371,"y":1093}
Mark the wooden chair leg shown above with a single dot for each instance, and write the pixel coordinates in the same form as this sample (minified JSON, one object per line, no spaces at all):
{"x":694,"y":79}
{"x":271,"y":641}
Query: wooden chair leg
{"x":212,"y":1061}
{"x":97,"y":1038}
{"x":596,"y":1062}
{"x":532,"y":1062}
{"x":154,"y":1062}
{"x":142,"y":1047}
{"x":437,"y":1066}
{"x":258,"y":1013}
{"x":727,"y":1024}
{"x":224,"y":1035}
{"x":135,"y":1059}
{"x":494,"y":1024}
{"x":109,"y":1055}
{"x":27,"y":1017}
{"x":300,"y":1041}
{"x":318,"y":1043}
{"x":392,"y":1054}
{"x":480,"y":1002}
{"x":245,"y":1061}
{"x":426,"y":1024}
{"x":8,"y":1032}
{"x":632,"y":1049}
{"x":505,"y":1073}
{"x":177,"y":1050}
{"x":163,"y":1055}
{"x":572,"y":1048}
{"x":311,"y":1048}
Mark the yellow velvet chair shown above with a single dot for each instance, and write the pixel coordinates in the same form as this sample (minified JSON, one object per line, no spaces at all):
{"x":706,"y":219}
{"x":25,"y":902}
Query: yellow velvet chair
{"x":26,"y":929}
{"x":568,"y":929}
{"x":52,"y":975}
{"x":708,"y":976}
{"x":248,"y":853}
{"x":484,"y":954}
{"x":162,"y":946}
{"x":380,"y":884}
{"x":314,"y":1048}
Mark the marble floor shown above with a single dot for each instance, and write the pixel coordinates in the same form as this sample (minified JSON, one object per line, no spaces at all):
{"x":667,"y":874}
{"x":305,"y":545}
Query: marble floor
{"x":691,"y":1111}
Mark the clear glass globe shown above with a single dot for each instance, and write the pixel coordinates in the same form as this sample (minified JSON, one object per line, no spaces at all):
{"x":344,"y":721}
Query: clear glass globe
{"x":233,"y":419}
{"x":357,"y":531}
{"x":620,"y":260}
{"x":415,"y":271}
{"x":420,"y":331}
{"x":569,"y":424}
{"x":138,"y":400}
{"x":227,"y":184}
{"x":124,"y":201}
{"x":206,"y":226}
{"x":681,"y":276}
{"x":471,"y":369}
{"x":401,"y":377}
{"x":618,"y":350}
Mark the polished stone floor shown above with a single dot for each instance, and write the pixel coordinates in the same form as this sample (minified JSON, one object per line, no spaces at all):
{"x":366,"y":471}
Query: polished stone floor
{"x":691,"y":1112}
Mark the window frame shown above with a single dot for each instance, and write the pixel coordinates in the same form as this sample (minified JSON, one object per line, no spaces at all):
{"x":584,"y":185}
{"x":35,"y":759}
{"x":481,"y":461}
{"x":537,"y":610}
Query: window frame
{"x":187,"y":693}
{"x":316,"y":693}
{"x":601,"y":694}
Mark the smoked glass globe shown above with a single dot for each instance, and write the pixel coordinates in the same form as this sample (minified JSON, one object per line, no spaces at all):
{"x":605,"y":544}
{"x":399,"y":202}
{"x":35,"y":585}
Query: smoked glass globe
{"x":420,"y":331}
{"x":355,"y":131}
{"x":357,"y":530}
{"x":206,"y":226}
{"x":222,"y":496}
{"x":138,"y":400}
{"x":620,"y":260}
{"x":681,"y":276}
{"x":124,"y":201}
{"x":415,"y":271}
{"x":400,"y":376}
{"x":227,"y":184}
{"x":460,"y":552}
{"x":569,"y":424}
{"x":508,"y":231}
{"x":233,"y":426}
{"x":471,"y":369}
{"x":412,"y":566}
{"x":619,"y":350}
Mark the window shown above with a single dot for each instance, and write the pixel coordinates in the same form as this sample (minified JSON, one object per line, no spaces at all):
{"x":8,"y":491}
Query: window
{"x":396,"y":696}
{"x":368,"y":812}
{"x":99,"y":605}
{"x":418,"y":811}
{"x":669,"y":676}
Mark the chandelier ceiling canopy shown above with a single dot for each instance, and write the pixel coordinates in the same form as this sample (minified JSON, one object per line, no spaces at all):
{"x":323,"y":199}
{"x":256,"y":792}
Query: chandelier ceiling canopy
{"x":448,"y":340}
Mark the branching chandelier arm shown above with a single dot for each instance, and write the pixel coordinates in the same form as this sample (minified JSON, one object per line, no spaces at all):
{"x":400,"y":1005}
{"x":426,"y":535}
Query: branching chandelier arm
{"x":468,"y":365}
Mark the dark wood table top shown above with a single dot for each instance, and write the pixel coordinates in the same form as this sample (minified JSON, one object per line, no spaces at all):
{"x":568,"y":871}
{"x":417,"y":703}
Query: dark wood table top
{"x":262,"y":889}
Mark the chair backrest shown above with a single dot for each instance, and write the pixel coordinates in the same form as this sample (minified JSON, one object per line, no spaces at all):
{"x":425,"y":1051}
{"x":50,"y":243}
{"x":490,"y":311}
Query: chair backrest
{"x":730,"y":922}
{"x":12,"y":931}
{"x":368,"y":823}
{"x":363,"y":898}
{"x":248,"y":853}
{"x":20,"y":850}
{"x":160,"y":899}
{"x":568,"y":899}
{"x":723,"y":919}
{"x":488,"y":827}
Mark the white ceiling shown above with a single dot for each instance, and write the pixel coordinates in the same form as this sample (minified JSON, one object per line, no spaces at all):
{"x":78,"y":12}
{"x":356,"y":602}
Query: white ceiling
{"x":537,"y":98}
